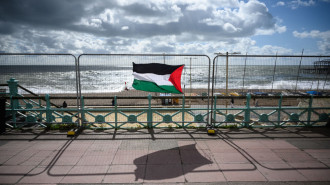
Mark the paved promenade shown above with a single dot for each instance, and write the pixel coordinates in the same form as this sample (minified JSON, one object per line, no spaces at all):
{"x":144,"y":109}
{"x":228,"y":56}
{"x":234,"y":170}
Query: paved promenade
{"x":286,"y":156}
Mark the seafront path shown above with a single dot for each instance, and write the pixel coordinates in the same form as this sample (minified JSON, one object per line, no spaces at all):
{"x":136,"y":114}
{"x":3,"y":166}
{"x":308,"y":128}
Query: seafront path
{"x":286,"y":156}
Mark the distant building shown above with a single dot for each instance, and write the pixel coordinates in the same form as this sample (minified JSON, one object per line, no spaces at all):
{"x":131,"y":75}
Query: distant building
{"x":320,"y":67}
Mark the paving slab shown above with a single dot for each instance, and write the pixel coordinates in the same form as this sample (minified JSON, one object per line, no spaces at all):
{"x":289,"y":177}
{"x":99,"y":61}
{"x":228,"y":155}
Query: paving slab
{"x":132,"y":157}
{"x":225,"y":158}
{"x":316,"y":174}
{"x":134,"y":144}
{"x":163,"y":145}
{"x":242,"y":175}
{"x":264,"y":155}
{"x":125,"y":174}
{"x":181,"y":156}
{"x":278,"y":174}
{"x":85,"y":174}
{"x":310,"y":144}
{"x":96,"y":160}
{"x":164,"y":173}
{"x":163,"y":157}
{"x":201,"y":157}
{"x":294,"y":155}
{"x":46,"y":175}
{"x":205,"y":173}
{"x":10,"y":179}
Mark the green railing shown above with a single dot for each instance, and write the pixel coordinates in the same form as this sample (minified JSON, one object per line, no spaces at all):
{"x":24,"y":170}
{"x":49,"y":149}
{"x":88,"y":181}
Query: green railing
{"x":36,"y":109}
{"x":149,"y":116}
{"x":181,"y":116}
{"x":274,"y":116}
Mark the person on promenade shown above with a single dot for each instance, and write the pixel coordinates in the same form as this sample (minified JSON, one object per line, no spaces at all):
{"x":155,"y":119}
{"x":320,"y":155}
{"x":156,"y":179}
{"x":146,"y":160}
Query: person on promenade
{"x":65,"y":105}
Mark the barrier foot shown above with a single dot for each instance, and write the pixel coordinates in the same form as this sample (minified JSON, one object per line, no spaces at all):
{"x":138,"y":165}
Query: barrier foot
{"x":210,"y":130}
{"x":74,"y":132}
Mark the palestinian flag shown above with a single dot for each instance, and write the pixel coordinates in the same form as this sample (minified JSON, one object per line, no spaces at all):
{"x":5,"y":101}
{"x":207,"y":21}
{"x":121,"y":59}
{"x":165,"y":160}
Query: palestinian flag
{"x":156,"y":77}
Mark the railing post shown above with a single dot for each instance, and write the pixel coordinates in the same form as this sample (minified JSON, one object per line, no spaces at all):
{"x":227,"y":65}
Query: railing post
{"x":183,"y":110}
{"x":149,"y":112}
{"x":13,"y":91}
{"x":214,"y":110}
{"x":247,"y":111}
{"x":279,"y":110}
{"x":2,"y":115}
{"x":13,"y":112}
{"x":310,"y":106}
{"x":82,"y":111}
{"x":48,"y":110}
{"x":116,"y":112}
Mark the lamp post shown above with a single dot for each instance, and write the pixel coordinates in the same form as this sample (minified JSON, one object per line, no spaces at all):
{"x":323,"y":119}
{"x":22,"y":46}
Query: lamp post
{"x":227,"y":54}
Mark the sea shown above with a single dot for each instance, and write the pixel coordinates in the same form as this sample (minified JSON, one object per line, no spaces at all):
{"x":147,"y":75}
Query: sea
{"x":56,"y":79}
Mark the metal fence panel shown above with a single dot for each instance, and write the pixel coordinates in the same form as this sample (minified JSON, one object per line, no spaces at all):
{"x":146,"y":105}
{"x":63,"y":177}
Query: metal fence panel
{"x":33,"y":75}
{"x":98,"y":91}
{"x":111,"y":75}
{"x":268,"y":73}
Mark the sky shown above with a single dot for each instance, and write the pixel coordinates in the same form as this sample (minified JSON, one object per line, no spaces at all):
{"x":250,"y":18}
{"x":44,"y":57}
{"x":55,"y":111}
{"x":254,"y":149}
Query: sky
{"x":165,"y":26}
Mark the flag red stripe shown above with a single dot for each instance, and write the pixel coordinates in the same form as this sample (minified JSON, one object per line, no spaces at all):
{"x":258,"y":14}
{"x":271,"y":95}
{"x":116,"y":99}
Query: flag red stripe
{"x":175,"y":78}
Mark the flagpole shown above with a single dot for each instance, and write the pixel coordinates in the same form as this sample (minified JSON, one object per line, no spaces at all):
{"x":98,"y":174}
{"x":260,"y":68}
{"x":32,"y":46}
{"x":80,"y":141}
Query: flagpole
{"x":227,"y":66}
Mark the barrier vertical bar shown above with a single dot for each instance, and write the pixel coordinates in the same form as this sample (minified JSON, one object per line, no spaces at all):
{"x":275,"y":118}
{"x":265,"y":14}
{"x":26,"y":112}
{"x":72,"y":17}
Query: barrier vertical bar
{"x":309,"y":111}
{"x":274,"y":72}
{"x":48,"y":110}
{"x":318,"y":79}
{"x":183,"y":110}
{"x":149,"y":113}
{"x":209,"y":118}
{"x":40,"y":107}
{"x":279,"y":110}
{"x":302,"y":53}
{"x":326,"y":79}
{"x":226,"y":75}
{"x":215,"y":108}
{"x":77,"y":70}
{"x":2,"y":115}
{"x":82,"y":111}
{"x":116,"y":112}
{"x":244,"y":72}
{"x":13,"y":112}
{"x":247,"y":111}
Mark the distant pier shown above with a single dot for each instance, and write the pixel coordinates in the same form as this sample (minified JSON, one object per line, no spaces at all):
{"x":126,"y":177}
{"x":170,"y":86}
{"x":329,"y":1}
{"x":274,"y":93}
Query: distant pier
{"x":320,"y":67}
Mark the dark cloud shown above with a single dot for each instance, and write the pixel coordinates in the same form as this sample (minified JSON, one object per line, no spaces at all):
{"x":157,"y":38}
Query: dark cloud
{"x":55,"y":25}
{"x":6,"y":27}
{"x":45,"y":12}
{"x":51,"y":14}
{"x":138,"y":9}
{"x":163,"y":49}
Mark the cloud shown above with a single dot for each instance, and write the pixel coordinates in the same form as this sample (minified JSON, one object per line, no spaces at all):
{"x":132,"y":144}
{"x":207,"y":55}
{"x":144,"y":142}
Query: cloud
{"x":295,"y":4}
{"x":179,"y":26}
{"x":324,"y":44}
{"x":279,"y":3}
{"x":300,"y":3}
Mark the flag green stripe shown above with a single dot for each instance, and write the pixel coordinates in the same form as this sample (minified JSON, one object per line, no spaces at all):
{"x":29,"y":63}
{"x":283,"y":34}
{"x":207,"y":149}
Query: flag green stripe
{"x":152,"y":87}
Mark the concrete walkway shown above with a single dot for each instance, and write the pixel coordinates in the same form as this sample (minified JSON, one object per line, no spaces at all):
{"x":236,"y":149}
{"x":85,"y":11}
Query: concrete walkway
{"x":245,"y":156}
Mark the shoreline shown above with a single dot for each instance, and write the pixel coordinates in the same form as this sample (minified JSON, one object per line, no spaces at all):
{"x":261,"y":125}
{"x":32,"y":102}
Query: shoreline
{"x":188,"y":102}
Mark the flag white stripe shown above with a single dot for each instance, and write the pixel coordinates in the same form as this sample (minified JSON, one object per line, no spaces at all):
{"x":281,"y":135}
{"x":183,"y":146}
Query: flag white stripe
{"x":150,"y":77}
